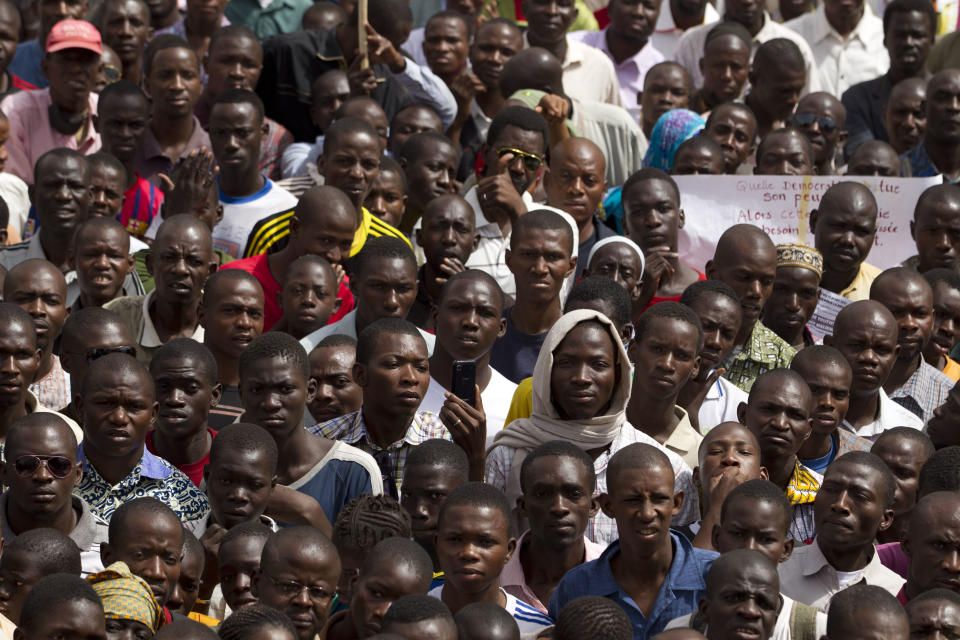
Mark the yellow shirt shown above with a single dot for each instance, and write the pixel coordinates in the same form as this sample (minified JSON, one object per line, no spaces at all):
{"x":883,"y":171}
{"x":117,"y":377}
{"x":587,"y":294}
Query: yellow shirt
{"x":859,"y":289}
{"x":952,"y":369}
{"x":375,"y":227}
{"x":521,"y":406}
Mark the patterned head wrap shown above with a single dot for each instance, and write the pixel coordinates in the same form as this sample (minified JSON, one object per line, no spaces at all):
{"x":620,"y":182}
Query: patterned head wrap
{"x":126,"y":596}
{"x":671,"y":130}
{"x":800,"y":255}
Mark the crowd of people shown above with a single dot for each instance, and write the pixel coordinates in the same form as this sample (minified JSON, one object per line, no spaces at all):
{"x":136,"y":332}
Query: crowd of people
{"x":374,"y":320}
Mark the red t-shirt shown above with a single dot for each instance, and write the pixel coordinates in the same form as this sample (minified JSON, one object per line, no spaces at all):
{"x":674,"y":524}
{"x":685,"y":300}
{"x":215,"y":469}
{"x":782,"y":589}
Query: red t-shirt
{"x":657,"y":300}
{"x":260,"y":269}
{"x":193,"y":470}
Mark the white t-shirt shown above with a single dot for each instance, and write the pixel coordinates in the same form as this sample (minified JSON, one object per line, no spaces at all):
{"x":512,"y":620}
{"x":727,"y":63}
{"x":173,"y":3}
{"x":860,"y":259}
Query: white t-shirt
{"x":720,"y":404}
{"x":528,"y":619}
{"x":253,"y":223}
{"x":496,"y":399}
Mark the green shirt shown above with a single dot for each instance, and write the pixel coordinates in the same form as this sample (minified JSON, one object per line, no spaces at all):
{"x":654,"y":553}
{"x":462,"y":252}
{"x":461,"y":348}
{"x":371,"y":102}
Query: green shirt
{"x":763,"y":351}
{"x":280,"y":16}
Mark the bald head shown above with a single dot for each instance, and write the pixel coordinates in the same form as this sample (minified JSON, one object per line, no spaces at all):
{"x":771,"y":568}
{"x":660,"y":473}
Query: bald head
{"x":637,"y":456}
{"x":579,"y":150}
{"x":874,"y":158}
{"x":741,"y":239}
{"x":44,"y":426}
{"x":320,"y":205}
{"x":737,"y":562}
{"x":777,"y":380}
{"x":182,"y":225}
{"x":117,"y":364}
{"x":746,"y":260}
{"x":844,"y":228}
{"x":533,"y":68}
{"x":934,"y":520}
{"x":865,"y":312}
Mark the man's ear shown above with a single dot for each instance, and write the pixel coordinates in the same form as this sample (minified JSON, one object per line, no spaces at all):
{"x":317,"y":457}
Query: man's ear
{"x":106,"y":554}
{"x":476,"y":243}
{"x":521,"y":508}
{"x":828,"y":340}
{"x":709,"y":270}
{"x":702,"y":608}
{"x":511,"y":548}
{"x":32,"y":193}
{"x":201,"y":315}
{"x":887,"y":520}
{"x":700,"y":65}
{"x":742,"y":412}
{"x":681,"y":219}
{"x":814,"y":215}
{"x":418,"y":237}
{"x":359,"y":372}
{"x":216,"y":393}
{"x":147,"y":259}
{"x":677,"y":502}
{"x":502,"y":331}
{"x":913,"y":230}
{"x":573,"y":266}
{"x":311,"y":389}
{"x":787,"y":550}
{"x":715,"y":536}
{"x":764,"y":474}
{"x":696,"y":476}
{"x":606,"y":504}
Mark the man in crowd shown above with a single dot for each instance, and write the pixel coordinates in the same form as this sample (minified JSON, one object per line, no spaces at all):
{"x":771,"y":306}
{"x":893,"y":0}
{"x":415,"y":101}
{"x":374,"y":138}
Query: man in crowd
{"x":906,"y":114}
{"x":912,"y":382}
{"x":180,"y":262}
{"x":785,"y":152}
{"x":60,"y":115}
{"x":734,"y":127}
{"x":844,"y":227}
{"x":725,"y":65}
{"x":946,"y":321}
{"x":904,"y":451}
{"x":874,"y":158}
{"x":853,"y":503}
{"x":746,"y":260}
{"x":929,"y":541}
{"x":820,"y":117}
{"x":935,"y":229}
{"x":174,"y":85}
{"x":256,"y":212}
{"x":939,"y":151}
{"x":778,"y":78}
{"x":103,"y":264}
{"x":429,"y":163}
{"x":117,"y":405}
{"x":909,"y":27}
{"x":866,"y":333}
{"x":796,"y":290}
{"x":126,"y":29}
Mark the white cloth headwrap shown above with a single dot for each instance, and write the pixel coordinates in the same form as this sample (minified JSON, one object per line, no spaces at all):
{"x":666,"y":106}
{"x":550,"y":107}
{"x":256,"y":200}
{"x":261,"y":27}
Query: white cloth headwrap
{"x":625,"y":240}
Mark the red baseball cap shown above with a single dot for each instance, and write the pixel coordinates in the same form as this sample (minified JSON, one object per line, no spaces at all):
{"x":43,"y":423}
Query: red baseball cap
{"x":74,"y":34}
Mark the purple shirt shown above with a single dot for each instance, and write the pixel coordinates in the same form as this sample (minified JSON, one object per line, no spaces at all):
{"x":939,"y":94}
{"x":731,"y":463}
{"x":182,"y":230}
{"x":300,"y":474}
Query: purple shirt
{"x":893,"y":558}
{"x":32,"y":135}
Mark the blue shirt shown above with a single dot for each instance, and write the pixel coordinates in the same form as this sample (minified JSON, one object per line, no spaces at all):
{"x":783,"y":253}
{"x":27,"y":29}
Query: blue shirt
{"x":921,"y":166}
{"x":679,"y":594}
{"x":337,"y":479}
{"x":27,"y":65}
{"x":515,"y":354}
{"x":153,"y":477}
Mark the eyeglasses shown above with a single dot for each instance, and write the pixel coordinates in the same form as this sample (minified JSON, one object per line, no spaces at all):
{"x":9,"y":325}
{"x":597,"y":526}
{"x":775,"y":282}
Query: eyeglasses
{"x":58,"y":466}
{"x":531,"y":162}
{"x":827,"y":125}
{"x":291,"y":589}
{"x":99,"y":352}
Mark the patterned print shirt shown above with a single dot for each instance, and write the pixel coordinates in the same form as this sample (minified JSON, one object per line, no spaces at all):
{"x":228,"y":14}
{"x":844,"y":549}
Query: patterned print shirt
{"x":763,"y":351}
{"x":153,"y":477}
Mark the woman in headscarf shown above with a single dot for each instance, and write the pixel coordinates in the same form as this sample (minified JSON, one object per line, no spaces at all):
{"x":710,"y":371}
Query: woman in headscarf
{"x":671,"y":130}
{"x":128,"y":603}
{"x":581,"y":387}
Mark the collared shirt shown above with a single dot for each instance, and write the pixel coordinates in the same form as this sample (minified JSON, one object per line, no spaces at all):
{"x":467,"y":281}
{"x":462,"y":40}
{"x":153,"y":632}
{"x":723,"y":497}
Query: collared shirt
{"x":88,"y":533}
{"x":924,"y":391}
{"x":684,"y":440}
{"x":347,"y":326}
{"x":630,"y":72}
{"x":514,"y":582}
{"x":269,"y":18}
{"x":32,"y":135}
{"x":601,"y":528}
{"x":916,"y":163}
{"x":763,"y":351}
{"x":843,"y":62}
{"x":859,"y":287}
{"x":841,"y":442}
{"x":135,"y":313}
{"x":889,"y":415}
{"x":14,"y":254}
{"x":588,"y":74}
{"x":151,"y":160}
{"x":806,"y":576}
{"x":690,"y":49}
{"x":271,"y":150}
{"x":253,"y":224}
{"x":679,"y":594}
{"x":152,"y":477}
{"x":352,"y":430}
{"x":720,"y":404}
{"x":53,"y":389}
{"x":666,"y":35}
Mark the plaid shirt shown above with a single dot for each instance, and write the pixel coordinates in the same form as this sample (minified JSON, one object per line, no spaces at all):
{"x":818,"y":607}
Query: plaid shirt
{"x":272,"y":148}
{"x":763,"y":351}
{"x":153,"y":477}
{"x":924,"y":391}
{"x":351,"y":429}
{"x":801,"y":492}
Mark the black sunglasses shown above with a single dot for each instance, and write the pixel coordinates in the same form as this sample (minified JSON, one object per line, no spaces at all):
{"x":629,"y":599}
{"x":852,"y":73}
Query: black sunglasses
{"x":99,"y":352}
{"x":58,"y":466}
{"x":827,"y":125}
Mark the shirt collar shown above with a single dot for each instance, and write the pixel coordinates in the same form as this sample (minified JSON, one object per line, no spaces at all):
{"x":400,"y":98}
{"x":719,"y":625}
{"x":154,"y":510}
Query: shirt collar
{"x":152,"y":148}
{"x":822,"y":27}
{"x":358,"y":431}
{"x":685,"y":573}
{"x":814,"y":561}
{"x":150,"y":466}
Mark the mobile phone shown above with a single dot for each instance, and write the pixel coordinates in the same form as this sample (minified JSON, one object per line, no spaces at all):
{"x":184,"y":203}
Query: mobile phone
{"x":465,"y":380}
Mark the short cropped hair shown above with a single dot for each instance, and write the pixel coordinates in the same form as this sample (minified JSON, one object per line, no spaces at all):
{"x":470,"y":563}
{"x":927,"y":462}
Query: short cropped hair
{"x":120,"y":519}
{"x":52,"y":590}
{"x":522,"y":118}
{"x":370,"y":336}
{"x":760,"y":490}
{"x":245,"y":622}
{"x":365,"y":521}
{"x":542,"y":219}
{"x":941,"y":471}
{"x":592,"y":617}
{"x":650,"y":173}
{"x":439,"y":453}
{"x":381,"y":247}
{"x":416,"y":608}
{"x":184,"y":348}
{"x":275,"y":344}
{"x":558,"y":449}
{"x":846,"y":603}
{"x":673,"y":311}
{"x":476,"y":494}
{"x":246,"y":438}
{"x":872,"y":461}
{"x":607,"y":290}
{"x":50,"y":550}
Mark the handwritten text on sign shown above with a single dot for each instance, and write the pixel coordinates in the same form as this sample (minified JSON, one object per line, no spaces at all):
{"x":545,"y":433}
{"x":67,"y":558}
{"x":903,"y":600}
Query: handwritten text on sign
{"x":781,"y":206}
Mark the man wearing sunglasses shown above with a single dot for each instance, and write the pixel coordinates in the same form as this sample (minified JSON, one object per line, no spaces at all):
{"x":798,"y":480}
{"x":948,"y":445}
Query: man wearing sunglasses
{"x":40,"y":473}
{"x":820,"y":117}
{"x":512,"y":159}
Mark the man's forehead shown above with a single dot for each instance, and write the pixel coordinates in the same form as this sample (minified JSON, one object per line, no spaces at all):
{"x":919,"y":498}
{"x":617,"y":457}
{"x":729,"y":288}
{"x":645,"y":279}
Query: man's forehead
{"x":36,"y":279}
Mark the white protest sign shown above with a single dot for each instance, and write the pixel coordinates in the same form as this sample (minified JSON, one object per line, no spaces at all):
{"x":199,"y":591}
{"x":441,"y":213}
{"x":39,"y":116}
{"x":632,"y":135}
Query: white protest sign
{"x":781,"y":206}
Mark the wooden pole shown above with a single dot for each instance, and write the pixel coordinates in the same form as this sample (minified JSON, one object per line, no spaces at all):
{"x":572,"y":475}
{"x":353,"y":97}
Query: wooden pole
{"x":362,"y":33}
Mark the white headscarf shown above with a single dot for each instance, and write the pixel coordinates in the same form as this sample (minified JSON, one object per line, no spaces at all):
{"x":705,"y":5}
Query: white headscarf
{"x":545,"y":424}
{"x":625,"y":240}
